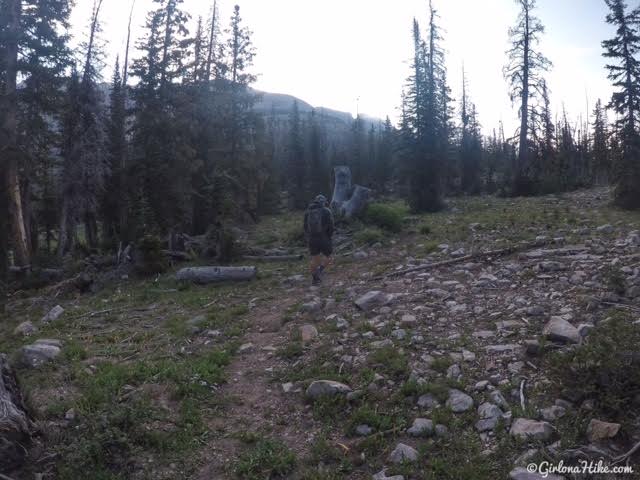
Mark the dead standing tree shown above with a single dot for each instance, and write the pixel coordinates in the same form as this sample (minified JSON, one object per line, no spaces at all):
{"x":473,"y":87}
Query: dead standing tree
{"x":348,"y":201}
{"x":524,"y":74}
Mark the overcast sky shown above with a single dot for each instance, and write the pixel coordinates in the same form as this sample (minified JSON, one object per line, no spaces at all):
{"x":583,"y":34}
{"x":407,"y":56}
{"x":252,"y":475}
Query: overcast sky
{"x":333,"y":52}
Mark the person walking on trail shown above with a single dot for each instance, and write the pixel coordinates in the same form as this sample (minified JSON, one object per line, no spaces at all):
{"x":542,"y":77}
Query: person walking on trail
{"x":318,"y":229}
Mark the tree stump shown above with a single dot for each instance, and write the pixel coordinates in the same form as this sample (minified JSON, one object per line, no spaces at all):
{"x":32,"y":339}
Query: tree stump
{"x":16,"y":427}
{"x":348,"y":201}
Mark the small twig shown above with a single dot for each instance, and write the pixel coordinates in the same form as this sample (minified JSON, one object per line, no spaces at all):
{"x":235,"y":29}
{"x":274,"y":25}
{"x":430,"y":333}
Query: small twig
{"x":522,"y":402}
{"x":622,"y":305}
{"x":627,"y":455}
{"x":211,"y":303}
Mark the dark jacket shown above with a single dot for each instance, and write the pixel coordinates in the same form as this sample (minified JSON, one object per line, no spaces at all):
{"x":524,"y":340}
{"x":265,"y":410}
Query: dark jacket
{"x":327,"y":220}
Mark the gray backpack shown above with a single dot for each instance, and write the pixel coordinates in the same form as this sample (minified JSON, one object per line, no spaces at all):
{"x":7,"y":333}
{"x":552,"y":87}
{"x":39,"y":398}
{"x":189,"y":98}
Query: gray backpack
{"x":314,"y":221}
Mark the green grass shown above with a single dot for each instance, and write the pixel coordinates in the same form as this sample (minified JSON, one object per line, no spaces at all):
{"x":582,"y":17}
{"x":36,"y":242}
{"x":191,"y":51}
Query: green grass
{"x":603,"y":369}
{"x":266,"y":459}
{"x":390,"y":361}
{"x":369,"y":236}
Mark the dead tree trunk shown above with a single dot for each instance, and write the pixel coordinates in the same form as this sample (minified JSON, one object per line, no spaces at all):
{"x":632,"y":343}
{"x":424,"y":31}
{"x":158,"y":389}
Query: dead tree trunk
{"x":358,"y":201}
{"x":16,"y":427}
{"x":9,"y":133}
{"x":342,"y":186}
{"x":348,"y":201}
{"x":205,"y":275}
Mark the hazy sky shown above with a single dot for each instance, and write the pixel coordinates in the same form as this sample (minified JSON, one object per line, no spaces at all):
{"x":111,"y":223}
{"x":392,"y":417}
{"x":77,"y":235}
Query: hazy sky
{"x":333,"y":52}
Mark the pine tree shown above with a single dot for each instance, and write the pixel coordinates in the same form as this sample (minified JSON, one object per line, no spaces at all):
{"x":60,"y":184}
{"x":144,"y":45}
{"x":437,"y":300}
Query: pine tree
{"x":319,"y":175}
{"x":162,"y":163}
{"x":85,"y":163}
{"x":601,"y":157}
{"x":383,"y":166}
{"x":624,"y":72}
{"x":523,"y":72}
{"x":33,"y":48}
{"x":297,"y":169}
{"x":114,"y":200}
{"x":426,"y":132}
{"x":470,"y":143}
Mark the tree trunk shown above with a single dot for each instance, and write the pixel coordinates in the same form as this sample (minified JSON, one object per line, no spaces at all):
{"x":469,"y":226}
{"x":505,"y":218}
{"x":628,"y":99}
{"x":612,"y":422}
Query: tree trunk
{"x":16,"y":428}
{"x":342,"y":186}
{"x":358,"y":201}
{"x":4,"y":242}
{"x":9,"y":130}
{"x":204,"y":275}
{"x":524,"y":110}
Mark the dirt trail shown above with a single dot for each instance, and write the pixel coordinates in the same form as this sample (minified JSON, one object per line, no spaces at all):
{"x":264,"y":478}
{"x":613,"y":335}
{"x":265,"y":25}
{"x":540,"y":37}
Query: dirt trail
{"x":253,"y":401}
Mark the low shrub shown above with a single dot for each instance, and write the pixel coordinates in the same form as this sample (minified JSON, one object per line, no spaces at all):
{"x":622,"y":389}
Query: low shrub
{"x":605,"y":369}
{"x":385,"y":215}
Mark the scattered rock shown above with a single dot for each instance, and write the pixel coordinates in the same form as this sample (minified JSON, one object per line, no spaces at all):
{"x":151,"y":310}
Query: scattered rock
{"x":599,"y":430}
{"x":408,"y":319}
{"x":523,"y":474}
{"x":53,"y":314}
{"x":526,"y":429}
{"x":40,"y":352}
{"x":459,"y":401}
{"x":326,"y":388}
{"x":442,"y":431}
{"x":313,"y":306}
{"x":428,"y":401}
{"x":403,"y":453}
{"x":26,"y":329}
{"x":552,"y":413}
{"x":308,"y":333}
{"x":421,"y":427}
{"x":532,"y":347}
{"x":383,"y":476}
{"x":372,"y":299}
{"x":606,"y":229}
{"x":364,"y":430}
{"x":558,"y":329}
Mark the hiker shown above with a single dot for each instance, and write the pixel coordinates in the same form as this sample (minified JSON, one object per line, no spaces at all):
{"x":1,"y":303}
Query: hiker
{"x":318,"y":229}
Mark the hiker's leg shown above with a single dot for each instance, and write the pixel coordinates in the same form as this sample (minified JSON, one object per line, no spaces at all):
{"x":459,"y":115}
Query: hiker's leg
{"x":316,"y":261}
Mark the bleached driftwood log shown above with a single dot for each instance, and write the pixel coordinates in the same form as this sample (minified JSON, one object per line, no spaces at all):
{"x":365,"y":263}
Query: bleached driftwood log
{"x":16,"y":427}
{"x":348,"y":201}
{"x":204,"y":275}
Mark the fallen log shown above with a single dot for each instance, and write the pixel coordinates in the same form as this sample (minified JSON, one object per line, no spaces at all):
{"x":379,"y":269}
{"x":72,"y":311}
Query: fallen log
{"x":273,"y":258}
{"x":80,"y":283}
{"x":16,"y":427}
{"x":205,"y":275}
{"x":474,"y":256}
{"x":177,"y":255}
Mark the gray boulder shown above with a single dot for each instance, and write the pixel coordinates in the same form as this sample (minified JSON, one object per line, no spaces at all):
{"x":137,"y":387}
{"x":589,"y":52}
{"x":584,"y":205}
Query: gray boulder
{"x":41,"y":352}
{"x":326,"y":388}
{"x":526,"y":429}
{"x":403,"y":453}
{"x":559,"y":330}
{"x":53,"y":314}
{"x":459,"y":401}
{"x":373,"y":299}
{"x":421,"y":427}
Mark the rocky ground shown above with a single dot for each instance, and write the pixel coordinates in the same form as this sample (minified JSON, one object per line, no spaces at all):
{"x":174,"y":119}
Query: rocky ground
{"x":470,"y":369}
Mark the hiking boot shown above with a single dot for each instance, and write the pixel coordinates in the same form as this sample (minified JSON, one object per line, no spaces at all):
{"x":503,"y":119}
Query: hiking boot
{"x":317,"y":276}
